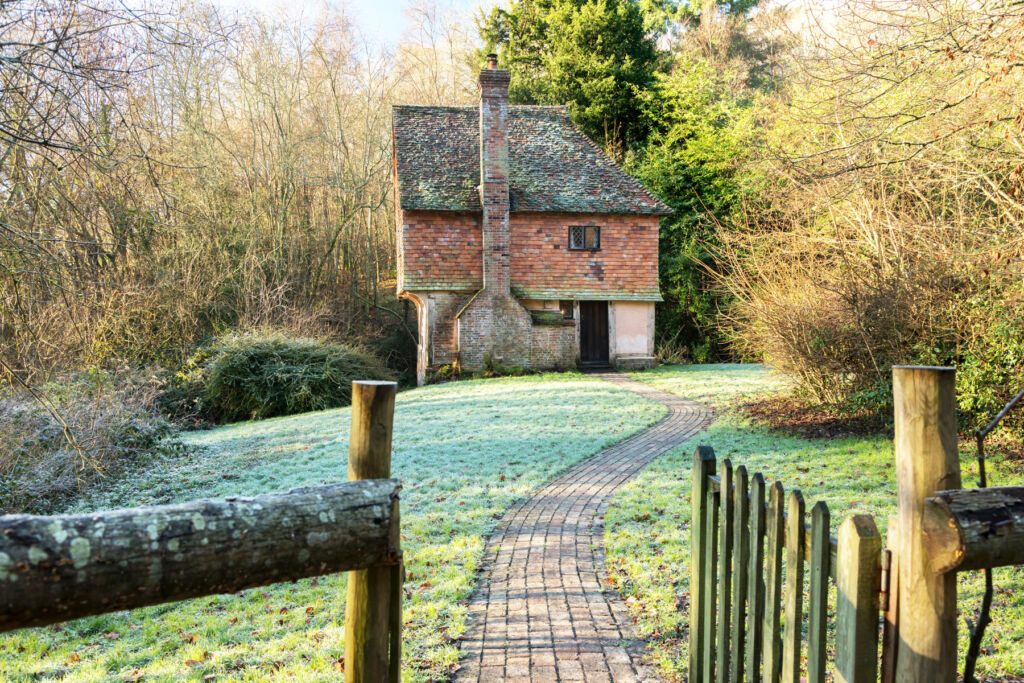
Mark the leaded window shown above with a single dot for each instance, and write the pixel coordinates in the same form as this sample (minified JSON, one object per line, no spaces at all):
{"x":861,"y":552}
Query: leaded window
{"x":584,"y":237}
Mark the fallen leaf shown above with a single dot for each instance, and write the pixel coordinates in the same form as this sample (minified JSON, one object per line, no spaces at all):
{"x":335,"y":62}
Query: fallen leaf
{"x":112,"y":635}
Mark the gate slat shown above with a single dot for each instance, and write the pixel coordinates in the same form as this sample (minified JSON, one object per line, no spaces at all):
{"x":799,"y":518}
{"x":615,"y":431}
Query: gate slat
{"x":710,"y":572}
{"x":818,"y":614}
{"x":794,"y":589}
{"x":773,"y":585}
{"x":725,"y":569}
{"x":755,"y":599}
{"x":703,"y":467}
{"x":741,"y":565}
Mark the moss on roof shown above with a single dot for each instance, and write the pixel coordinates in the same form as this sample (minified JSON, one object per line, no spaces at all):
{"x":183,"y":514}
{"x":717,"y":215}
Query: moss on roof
{"x":552,"y":165}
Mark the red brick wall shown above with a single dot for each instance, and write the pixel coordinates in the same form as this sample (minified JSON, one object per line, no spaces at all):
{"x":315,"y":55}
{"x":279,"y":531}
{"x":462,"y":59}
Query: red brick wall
{"x":553,"y":347}
{"x":442,"y":250}
{"x":542,"y":262}
{"x":439,"y":250}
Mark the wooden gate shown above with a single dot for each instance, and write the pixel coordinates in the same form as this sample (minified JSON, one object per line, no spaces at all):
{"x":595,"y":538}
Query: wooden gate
{"x":753,"y":555}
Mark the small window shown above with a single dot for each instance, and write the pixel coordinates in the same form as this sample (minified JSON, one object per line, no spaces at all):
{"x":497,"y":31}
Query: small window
{"x":584,"y":237}
{"x":566,"y":308}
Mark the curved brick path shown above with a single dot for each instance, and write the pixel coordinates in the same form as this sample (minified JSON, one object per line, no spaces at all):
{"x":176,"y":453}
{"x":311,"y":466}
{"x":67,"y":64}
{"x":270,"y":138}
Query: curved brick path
{"x":539,"y":613}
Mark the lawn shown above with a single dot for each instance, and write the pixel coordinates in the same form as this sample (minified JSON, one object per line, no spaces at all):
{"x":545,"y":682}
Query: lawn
{"x":647,"y":527}
{"x":464,"y":451}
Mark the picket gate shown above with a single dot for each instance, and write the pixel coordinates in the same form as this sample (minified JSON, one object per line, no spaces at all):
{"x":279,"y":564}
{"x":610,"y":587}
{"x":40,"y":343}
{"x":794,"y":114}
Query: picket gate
{"x":753,"y":556}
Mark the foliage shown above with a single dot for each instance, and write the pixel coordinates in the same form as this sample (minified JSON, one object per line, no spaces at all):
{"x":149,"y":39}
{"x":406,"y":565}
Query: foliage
{"x":594,"y":55}
{"x":257,"y":375}
{"x":463,"y":451}
{"x":694,"y":160}
{"x":892,"y":234}
{"x":647,"y":531}
{"x":198,"y":170}
{"x":113,"y":422}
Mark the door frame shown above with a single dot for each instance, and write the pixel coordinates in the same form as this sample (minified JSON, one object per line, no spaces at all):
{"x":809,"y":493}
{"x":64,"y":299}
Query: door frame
{"x":604,"y":358}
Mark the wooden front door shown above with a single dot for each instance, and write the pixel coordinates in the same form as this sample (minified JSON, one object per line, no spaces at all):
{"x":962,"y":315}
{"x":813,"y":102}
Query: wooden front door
{"x":594,"y":332}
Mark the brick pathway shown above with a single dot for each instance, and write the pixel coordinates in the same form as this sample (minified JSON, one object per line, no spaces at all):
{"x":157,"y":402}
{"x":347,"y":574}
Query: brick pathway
{"x":539,"y":613}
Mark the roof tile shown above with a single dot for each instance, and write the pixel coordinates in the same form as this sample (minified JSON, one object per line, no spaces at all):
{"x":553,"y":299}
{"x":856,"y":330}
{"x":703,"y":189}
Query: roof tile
{"x":553,"y":165}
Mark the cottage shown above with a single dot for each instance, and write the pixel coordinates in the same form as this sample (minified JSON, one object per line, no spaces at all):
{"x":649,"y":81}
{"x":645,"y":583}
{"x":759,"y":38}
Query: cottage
{"x":519,"y":240}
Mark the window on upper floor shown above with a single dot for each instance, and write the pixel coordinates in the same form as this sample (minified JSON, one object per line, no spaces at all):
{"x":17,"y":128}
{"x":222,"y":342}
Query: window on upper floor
{"x":584,"y":237}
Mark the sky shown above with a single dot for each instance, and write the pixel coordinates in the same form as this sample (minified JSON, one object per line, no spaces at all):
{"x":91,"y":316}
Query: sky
{"x":382,"y":20}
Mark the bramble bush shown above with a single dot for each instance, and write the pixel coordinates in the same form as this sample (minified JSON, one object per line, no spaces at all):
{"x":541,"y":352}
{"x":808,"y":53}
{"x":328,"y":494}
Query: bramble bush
{"x":108,"y":420}
{"x":255,"y":375}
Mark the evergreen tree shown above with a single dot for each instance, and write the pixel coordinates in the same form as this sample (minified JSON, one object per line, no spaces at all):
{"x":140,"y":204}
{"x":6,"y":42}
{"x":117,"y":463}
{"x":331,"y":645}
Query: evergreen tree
{"x":594,"y":55}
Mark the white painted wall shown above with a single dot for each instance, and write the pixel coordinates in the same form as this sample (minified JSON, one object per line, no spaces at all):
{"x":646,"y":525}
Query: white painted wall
{"x":633,"y":328}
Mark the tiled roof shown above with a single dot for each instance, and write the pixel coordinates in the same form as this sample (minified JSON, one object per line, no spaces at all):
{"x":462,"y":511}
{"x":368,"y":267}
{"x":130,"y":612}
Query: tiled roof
{"x":552,"y":165}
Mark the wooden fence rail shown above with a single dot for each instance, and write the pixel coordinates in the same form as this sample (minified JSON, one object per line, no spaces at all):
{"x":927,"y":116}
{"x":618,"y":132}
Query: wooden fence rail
{"x":63,"y":567}
{"x":748,"y":580}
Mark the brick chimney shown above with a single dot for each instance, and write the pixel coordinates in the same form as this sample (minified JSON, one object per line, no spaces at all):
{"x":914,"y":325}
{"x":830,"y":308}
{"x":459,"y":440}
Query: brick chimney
{"x":494,"y":176}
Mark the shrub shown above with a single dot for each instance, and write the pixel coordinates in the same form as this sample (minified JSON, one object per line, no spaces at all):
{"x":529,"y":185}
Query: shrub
{"x":100,"y":423}
{"x":265,"y":374}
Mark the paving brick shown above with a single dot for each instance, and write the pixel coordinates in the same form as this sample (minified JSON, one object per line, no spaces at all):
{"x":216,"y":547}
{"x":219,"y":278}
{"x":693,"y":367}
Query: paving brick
{"x":539,"y":607}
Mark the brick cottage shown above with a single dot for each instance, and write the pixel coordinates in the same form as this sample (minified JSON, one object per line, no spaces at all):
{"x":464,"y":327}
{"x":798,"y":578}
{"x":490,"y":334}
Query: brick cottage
{"x":519,"y":240}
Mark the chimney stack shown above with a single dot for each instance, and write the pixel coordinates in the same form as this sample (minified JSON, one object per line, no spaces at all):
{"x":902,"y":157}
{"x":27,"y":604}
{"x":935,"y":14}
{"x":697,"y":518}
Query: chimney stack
{"x":494,"y":176}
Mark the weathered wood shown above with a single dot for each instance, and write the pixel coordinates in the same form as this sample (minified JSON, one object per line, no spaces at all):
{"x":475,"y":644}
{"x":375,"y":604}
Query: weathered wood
{"x":741,"y":565}
{"x":890,"y":590}
{"x":772,"y":669}
{"x":858,"y":580}
{"x":794,"y":596}
{"x":395,"y":623}
{"x":926,"y":462}
{"x":703,"y":467}
{"x":833,"y":543}
{"x":369,"y":441}
{"x":725,"y":570}
{"x":817,"y":619}
{"x":755,"y":580}
{"x":975,"y":528}
{"x":58,"y":568}
{"x":368,"y":606}
{"x":710,"y":573}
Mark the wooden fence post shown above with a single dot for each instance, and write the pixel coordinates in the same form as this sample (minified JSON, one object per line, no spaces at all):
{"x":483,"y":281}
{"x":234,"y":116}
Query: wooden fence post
{"x":857,"y":578}
{"x":724,"y":570}
{"x":924,"y":401}
{"x":703,"y":467}
{"x":794,"y":610}
{"x":368,"y":607}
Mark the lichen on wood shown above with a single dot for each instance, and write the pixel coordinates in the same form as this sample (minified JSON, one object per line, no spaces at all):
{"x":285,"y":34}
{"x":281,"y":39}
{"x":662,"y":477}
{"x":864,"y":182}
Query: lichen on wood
{"x":63,"y":567}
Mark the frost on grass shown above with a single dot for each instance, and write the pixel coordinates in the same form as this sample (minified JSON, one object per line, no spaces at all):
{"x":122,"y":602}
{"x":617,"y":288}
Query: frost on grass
{"x":464,"y":451}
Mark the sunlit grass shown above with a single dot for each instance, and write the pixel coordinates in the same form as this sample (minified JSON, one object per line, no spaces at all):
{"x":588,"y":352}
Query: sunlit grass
{"x":464,"y":451}
{"x":648,"y":525}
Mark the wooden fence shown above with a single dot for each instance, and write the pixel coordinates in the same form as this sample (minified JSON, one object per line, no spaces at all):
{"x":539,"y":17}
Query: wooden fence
{"x":63,"y":567}
{"x":754,"y":555}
